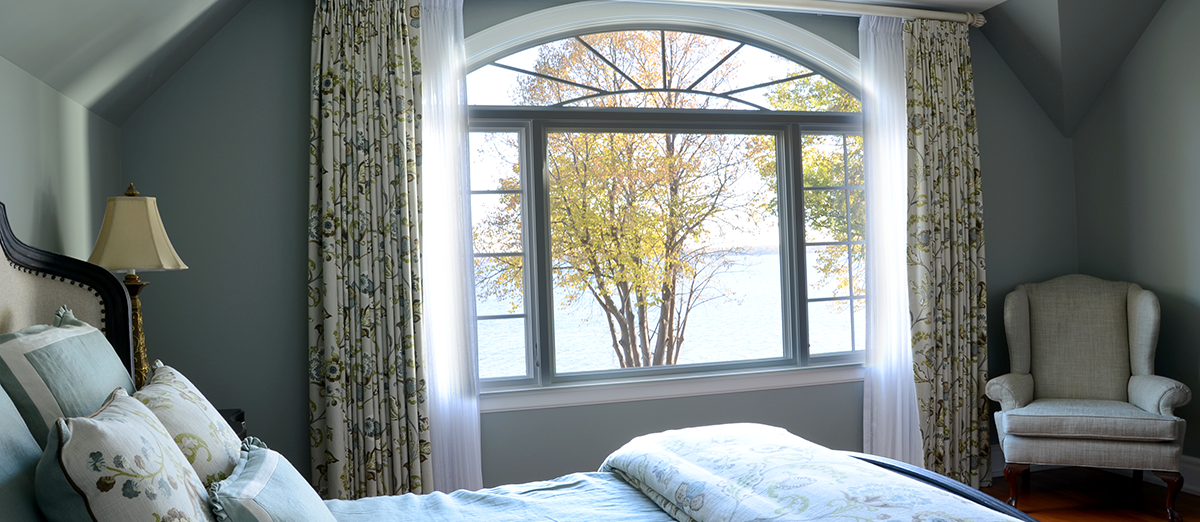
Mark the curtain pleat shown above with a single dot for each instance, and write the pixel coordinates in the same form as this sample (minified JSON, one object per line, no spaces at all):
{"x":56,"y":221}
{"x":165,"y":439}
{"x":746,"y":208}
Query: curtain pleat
{"x":889,"y":395}
{"x":368,"y":413}
{"x":948,"y":290}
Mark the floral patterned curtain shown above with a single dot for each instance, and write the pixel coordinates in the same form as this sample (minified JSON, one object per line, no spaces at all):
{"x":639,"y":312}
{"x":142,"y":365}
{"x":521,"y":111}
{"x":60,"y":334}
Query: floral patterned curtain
{"x":367,"y":412}
{"x":948,"y":292}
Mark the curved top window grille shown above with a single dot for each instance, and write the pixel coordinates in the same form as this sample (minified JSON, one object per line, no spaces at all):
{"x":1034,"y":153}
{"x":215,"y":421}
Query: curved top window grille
{"x":655,"y":69}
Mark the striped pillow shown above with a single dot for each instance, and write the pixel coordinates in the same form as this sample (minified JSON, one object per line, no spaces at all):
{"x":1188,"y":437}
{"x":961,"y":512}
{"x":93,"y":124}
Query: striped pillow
{"x":264,"y":487}
{"x":65,"y":369}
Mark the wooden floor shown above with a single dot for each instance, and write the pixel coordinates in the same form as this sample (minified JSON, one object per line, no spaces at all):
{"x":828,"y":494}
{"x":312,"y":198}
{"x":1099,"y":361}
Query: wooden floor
{"x":1084,"y":494}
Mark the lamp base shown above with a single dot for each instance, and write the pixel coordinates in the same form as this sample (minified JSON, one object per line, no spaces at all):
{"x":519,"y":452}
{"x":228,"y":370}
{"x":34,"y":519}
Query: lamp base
{"x":141,"y":364}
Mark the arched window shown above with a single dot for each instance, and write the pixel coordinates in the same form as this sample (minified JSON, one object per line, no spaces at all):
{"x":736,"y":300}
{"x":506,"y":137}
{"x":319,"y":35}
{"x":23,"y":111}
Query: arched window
{"x":663,"y":199}
{"x":655,"y":69}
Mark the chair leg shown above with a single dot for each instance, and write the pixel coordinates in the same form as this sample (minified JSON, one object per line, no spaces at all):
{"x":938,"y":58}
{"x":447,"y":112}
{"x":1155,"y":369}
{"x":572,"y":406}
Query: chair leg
{"x":1012,"y":472}
{"x":1174,"y":484}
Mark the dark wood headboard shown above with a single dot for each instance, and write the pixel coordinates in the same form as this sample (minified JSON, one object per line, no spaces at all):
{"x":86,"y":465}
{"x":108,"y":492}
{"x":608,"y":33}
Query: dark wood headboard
{"x":34,"y":283}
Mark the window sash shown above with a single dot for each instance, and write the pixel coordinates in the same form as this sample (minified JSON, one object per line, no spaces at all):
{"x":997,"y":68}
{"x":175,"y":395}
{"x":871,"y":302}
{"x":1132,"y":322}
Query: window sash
{"x":534,"y":123}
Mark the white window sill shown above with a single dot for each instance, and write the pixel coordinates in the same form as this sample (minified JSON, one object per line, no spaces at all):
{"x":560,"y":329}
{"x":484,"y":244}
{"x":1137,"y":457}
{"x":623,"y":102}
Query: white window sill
{"x":578,"y":394}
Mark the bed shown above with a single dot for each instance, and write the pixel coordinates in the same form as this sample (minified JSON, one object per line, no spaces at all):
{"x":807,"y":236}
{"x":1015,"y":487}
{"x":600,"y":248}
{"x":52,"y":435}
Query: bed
{"x":726,"y":472}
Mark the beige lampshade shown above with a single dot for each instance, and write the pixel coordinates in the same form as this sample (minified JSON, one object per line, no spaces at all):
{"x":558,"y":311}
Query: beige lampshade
{"x":132,"y":237}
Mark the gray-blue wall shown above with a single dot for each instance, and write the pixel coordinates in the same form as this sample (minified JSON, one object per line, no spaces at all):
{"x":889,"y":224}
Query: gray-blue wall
{"x":1028,"y":190}
{"x":1137,"y":176}
{"x":58,"y":163}
{"x":223,"y":145}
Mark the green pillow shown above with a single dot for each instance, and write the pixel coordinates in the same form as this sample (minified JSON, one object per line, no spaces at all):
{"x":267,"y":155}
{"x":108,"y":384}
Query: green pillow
{"x":118,"y":464}
{"x":65,"y":369}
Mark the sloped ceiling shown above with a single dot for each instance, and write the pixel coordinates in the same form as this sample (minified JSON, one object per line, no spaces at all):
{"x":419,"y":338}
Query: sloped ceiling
{"x":1066,"y":51}
{"x":111,"y":55}
{"x":970,"y":6}
{"x":108,"y":55}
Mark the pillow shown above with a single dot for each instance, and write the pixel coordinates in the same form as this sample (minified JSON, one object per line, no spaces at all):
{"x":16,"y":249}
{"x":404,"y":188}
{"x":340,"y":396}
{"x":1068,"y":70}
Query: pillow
{"x":204,"y":437}
{"x":19,"y":455}
{"x":66,"y":369}
{"x":264,"y":487}
{"x":117,"y":464}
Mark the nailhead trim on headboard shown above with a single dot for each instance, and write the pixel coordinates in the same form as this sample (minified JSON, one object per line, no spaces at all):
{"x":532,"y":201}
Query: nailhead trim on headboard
{"x":115,"y":312}
{"x":103,"y":305}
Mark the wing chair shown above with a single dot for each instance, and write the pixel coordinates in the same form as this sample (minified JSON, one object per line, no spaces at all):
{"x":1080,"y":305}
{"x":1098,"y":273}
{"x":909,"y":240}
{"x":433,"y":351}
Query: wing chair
{"x":1082,"y":391}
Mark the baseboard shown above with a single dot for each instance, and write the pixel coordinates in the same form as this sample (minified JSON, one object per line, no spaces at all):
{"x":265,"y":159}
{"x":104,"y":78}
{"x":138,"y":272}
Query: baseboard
{"x":1189,"y":467}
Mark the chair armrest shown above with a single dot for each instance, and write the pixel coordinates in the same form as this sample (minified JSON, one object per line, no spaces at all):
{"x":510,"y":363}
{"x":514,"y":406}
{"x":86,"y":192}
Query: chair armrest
{"x":1011,"y":390}
{"x":1157,"y":394}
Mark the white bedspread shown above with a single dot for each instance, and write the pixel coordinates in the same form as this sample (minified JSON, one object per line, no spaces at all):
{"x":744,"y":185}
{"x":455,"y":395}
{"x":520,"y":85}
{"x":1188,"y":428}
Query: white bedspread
{"x":751,"y":472}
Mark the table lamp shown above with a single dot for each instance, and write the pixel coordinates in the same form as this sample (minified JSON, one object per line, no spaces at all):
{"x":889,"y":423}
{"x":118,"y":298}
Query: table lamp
{"x":132,"y":238}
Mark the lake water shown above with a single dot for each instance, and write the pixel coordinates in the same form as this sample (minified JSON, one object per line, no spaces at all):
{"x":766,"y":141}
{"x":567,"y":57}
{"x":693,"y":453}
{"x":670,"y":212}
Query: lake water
{"x":747,"y":324}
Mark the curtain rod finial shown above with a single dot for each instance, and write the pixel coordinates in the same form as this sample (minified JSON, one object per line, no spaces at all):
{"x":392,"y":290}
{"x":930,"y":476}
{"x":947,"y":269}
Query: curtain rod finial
{"x":976,"y":20}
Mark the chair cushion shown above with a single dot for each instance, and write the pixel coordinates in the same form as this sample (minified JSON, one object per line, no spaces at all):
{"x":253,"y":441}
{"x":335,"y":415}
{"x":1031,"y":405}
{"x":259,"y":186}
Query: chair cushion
{"x":1089,"y":419}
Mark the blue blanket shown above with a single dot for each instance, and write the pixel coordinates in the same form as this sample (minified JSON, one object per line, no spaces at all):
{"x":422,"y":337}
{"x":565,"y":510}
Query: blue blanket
{"x":579,"y":496}
{"x":727,"y":473}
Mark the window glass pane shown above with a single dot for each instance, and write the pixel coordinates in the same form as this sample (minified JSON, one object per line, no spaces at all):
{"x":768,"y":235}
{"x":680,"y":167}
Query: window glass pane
{"x":813,"y":94}
{"x":828,"y":271}
{"x":502,"y":348}
{"x":860,"y":324}
{"x":859,"y":263}
{"x":854,"y":160}
{"x":858,"y":214}
{"x":662,"y":100}
{"x":499,"y":285}
{"x":822,"y":157}
{"x":664,"y":250}
{"x":491,"y":85}
{"x":495,"y":161}
{"x":770,"y":97}
{"x":828,"y":327}
{"x":496,"y":223}
{"x":824,"y":216}
{"x":748,"y":67}
{"x":619,"y":62}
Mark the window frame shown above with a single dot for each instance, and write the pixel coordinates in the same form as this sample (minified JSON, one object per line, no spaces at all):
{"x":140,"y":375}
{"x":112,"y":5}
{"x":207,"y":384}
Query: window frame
{"x":533,"y":125}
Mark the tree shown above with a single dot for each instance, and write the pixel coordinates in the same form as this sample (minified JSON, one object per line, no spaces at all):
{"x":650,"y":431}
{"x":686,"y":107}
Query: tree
{"x":637,"y":218}
{"x":827,"y":161}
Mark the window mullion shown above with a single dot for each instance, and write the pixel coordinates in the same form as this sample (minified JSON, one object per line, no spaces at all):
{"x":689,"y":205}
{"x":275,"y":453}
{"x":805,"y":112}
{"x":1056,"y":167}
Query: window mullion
{"x":791,"y":212}
{"x":541,"y":273}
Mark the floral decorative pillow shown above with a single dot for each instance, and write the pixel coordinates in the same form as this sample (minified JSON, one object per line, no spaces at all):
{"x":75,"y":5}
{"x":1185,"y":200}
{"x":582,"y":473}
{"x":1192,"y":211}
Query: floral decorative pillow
{"x":118,"y":464}
{"x":210,"y":445}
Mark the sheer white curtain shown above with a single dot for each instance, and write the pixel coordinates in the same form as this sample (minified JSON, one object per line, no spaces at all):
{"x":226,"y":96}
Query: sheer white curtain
{"x":890,"y":427}
{"x":448,"y":286}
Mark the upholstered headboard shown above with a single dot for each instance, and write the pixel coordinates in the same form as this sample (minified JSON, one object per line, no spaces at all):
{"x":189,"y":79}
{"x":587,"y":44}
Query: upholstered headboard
{"x":35,"y":283}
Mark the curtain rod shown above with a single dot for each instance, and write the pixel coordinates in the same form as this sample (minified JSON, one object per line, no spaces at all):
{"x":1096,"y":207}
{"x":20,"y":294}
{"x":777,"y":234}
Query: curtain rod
{"x":842,"y":8}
